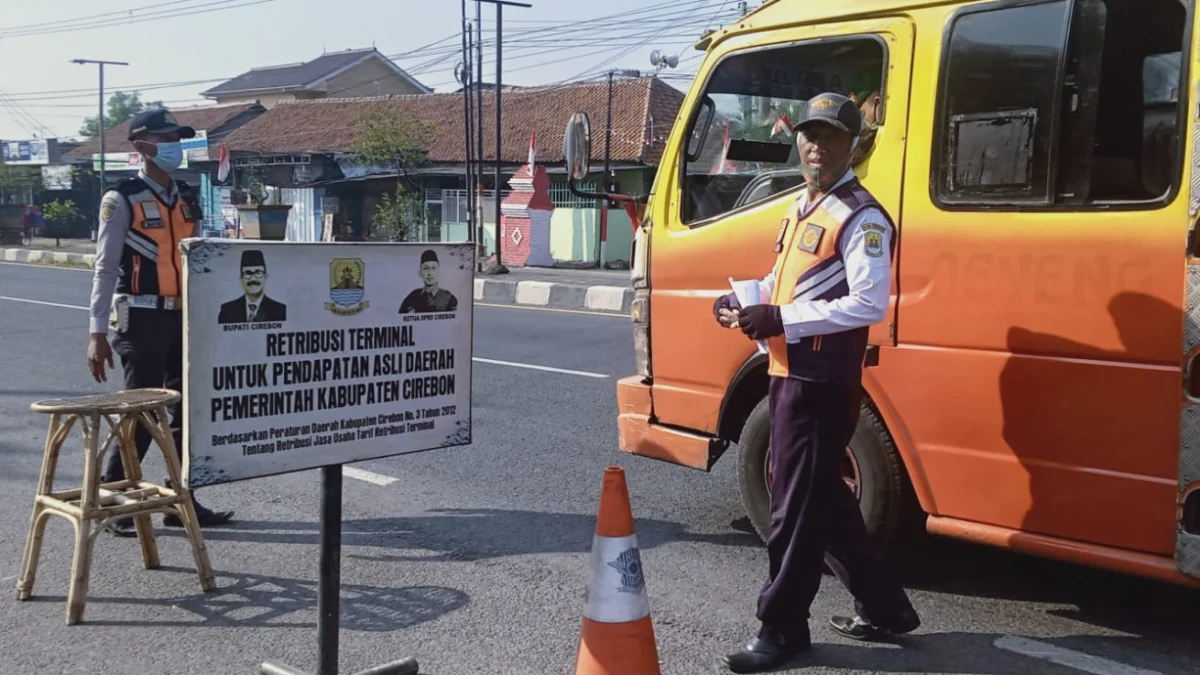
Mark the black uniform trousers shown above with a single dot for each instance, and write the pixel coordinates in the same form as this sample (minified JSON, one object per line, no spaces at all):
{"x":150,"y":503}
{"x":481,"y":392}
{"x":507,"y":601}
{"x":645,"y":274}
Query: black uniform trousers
{"x":814,"y":515}
{"x":151,"y":352}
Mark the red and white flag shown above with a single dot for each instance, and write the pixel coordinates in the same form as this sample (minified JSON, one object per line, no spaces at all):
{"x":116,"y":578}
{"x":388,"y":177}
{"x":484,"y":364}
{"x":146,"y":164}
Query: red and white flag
{"x":223,"y":166}
{"x":782,"y":124}
{"x":532,"y":150}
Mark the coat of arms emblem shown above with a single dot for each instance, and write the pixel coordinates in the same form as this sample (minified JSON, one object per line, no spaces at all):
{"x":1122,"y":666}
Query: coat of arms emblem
{"x":347,"y":284}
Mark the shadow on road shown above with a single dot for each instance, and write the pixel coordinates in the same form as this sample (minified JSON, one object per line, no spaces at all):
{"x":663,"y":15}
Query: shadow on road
{"x":256,"y":601}
{"x":468,"y":534}
{"x":1118,"y":602}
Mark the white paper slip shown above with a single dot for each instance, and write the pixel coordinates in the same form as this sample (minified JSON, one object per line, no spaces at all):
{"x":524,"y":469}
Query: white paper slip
{"x":749,"y":293}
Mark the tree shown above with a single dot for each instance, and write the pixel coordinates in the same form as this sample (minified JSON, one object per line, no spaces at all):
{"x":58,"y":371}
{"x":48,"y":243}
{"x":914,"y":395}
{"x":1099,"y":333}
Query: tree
{"x":18,"y":182}
{"x":394,"y":139}
{"x":121,"y":107}
{"x":60,"y":215}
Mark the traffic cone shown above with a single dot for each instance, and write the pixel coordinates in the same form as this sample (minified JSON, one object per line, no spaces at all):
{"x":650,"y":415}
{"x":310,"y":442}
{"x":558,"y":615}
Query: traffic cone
{"x":617,"y":636}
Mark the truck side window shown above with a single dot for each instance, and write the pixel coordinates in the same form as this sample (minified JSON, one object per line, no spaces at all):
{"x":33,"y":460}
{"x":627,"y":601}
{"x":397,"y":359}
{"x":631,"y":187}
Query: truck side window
{"x":1066,"y":102}
{"x":743,"y":151}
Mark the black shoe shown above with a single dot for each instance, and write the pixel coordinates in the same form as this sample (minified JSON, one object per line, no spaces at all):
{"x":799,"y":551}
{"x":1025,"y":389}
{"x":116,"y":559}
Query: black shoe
{"x":858,"y":628}
{"x":204,"y":517}
{"x":121,"y":527}
{"x":767,"y":651}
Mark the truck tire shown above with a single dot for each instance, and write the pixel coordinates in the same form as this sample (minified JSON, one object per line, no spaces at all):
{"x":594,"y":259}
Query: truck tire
{"x":883,"y":488}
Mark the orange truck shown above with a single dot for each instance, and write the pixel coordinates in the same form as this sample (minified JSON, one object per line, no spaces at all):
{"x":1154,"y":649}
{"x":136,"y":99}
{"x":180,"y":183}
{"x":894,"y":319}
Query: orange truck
{"x":1033,"y":386}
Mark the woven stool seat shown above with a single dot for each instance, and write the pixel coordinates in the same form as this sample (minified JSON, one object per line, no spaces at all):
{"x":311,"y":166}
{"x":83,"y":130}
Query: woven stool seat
{"x":113,"y":403}
{"x":90,"y":506}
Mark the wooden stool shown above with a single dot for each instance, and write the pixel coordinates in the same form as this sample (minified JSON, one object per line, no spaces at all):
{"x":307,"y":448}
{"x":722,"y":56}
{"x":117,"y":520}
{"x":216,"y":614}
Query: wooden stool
{"x":90,"y":507}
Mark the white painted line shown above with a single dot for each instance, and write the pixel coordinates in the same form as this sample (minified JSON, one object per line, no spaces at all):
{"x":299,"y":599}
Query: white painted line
{"x":368,"y":476}
{"x":1067,"y":657}
{"x":510,"y":364}
{"x":42,"y":302}
{"x":548,"y":369}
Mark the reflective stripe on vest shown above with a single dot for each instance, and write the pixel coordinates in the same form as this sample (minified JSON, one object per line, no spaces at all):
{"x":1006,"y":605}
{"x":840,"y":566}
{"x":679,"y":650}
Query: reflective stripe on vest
{"x":811,"y":267}
{"x":150,"y":262}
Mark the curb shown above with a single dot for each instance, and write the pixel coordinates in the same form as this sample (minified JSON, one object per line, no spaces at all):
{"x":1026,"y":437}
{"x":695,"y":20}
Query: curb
{"x":608,"y":299}
{"x":36,"y":256}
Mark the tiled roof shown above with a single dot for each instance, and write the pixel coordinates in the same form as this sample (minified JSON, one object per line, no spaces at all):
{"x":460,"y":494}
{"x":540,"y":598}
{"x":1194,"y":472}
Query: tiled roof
{"x":642,"y":114}
{"x":298,"y":75}
{"x":207,"y":118}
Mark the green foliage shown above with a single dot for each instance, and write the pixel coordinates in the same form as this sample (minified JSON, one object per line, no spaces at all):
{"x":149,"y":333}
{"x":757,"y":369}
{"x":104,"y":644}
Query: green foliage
{"x":391,"y":138}
{"x":121,"y":107}
{"x":60,"y":213}
{"x":16,"y":181}
{"x":396,"y":216}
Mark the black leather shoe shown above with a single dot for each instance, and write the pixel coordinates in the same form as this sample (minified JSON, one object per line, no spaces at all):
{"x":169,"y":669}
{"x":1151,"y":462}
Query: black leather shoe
{"x":858,"y":628}
{"x":766,"y":652}
{"x":204,"y":517}
{"x":121,"y":527}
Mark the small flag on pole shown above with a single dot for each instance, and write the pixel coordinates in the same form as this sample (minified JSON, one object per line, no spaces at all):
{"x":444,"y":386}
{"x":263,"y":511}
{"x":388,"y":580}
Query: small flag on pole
{"x":782,"y":124}
{"x":223,"y":166}
{"x":532,"y":150}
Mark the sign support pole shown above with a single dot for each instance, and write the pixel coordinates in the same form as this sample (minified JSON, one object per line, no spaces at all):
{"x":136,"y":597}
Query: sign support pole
{"x":329,"y":588}
{"x":330,"y":584}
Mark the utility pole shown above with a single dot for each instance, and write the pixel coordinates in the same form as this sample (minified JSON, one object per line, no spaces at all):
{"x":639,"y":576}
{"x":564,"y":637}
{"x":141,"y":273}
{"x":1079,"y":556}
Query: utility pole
{"x":466,"y":78}
{"x":499,"y":114}
{"x":602,"y":251}
{"x":481,"y":239}
{"x":102,"y":146}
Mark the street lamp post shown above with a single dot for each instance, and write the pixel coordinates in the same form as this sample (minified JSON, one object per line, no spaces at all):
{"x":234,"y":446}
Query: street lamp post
{"x":101,"y":127}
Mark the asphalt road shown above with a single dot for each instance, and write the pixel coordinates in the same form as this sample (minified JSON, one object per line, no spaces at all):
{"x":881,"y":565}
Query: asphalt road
{"x":474,"y":560}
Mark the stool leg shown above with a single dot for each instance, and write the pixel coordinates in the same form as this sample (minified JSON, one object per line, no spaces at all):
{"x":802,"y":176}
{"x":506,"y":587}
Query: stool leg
{"x":81,"y":567}
{"x":37,"y":522}
{"x":133,"y":471}
{"x":187,"y":510}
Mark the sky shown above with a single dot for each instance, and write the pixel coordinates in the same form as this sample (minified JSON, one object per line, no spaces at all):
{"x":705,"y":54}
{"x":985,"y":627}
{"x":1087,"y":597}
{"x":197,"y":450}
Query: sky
{"x":202,"y":42}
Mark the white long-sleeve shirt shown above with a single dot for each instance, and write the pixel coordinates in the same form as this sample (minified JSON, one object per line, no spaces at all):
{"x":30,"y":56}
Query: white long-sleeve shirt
{"x":867,"y":270}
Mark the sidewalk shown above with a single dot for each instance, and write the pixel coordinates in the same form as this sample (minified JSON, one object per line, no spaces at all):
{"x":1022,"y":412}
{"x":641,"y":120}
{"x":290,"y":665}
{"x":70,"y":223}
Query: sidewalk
{"x":594,"y":290}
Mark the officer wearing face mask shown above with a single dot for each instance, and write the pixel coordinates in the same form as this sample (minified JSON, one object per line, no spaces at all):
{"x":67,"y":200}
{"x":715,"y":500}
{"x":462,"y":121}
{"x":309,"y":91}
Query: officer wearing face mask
{"x":138,"y":283}
{"x":831,"y":282}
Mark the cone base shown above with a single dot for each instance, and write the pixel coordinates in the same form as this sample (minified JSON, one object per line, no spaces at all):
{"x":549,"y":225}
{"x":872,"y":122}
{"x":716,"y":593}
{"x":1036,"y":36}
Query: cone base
{"x":617,"y":648}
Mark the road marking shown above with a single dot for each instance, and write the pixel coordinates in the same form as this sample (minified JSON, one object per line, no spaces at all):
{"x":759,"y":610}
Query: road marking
{"x":368,"y":476}
{"x":1067,"y":657}
{"x":510,"y":364}
{"x":611,"y":315}
{"x":42,"y":302}
{"x":548,"y":369}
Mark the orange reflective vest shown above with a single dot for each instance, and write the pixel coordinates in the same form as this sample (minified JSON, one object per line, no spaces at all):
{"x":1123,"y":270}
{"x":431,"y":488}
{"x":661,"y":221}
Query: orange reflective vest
{"x":809,"y":266}
{"x":150,"y":261}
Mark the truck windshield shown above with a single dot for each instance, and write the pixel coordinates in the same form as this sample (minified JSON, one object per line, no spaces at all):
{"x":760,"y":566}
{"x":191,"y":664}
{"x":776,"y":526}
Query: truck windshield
{"x":742,"y":151}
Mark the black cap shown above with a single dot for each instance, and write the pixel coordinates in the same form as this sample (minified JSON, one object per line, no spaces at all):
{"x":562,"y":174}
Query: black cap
{"x":834,"y":110}
{"x":157,"y":121}
{"x":253,"y":258}
{"x":429,"y":256}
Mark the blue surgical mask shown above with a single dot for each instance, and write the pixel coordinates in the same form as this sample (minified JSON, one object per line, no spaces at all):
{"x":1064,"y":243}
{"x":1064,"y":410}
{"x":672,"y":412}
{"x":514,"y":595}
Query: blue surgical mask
{"x":169,"y":156}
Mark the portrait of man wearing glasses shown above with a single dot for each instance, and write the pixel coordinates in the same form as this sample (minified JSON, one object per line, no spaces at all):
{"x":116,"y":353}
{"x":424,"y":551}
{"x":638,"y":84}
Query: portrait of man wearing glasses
{"x":254,"y":306}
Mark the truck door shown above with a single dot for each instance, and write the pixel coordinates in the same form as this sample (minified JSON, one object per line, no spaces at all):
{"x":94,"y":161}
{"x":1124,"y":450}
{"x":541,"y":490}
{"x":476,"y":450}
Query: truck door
{"x":735,"y":178}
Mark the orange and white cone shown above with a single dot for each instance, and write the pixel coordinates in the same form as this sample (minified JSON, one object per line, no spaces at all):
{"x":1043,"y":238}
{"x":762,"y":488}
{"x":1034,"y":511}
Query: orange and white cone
{"x":617,"y":635}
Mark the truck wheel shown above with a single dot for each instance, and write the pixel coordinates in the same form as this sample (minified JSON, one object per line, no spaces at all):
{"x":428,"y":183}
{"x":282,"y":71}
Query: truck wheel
{"x":872,"y":468}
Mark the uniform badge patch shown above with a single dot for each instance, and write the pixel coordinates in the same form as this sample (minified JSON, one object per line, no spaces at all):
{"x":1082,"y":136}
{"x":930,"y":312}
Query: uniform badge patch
{"x":811,"y":239}
{"x":873,"y":240}
{"x":108,"y":207}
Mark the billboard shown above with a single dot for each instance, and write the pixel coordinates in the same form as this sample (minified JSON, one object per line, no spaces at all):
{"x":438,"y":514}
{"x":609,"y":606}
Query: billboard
{"x":33,"y":152}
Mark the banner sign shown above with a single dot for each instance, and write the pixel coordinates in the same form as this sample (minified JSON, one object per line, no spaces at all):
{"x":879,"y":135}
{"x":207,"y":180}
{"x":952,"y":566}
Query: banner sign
{"x":32,"y":152}
{"x":302,"y":355}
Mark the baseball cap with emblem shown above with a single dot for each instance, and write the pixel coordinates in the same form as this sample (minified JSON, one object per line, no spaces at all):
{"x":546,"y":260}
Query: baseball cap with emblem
{"x":157,"y":121}
{"x":834,"y":110}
